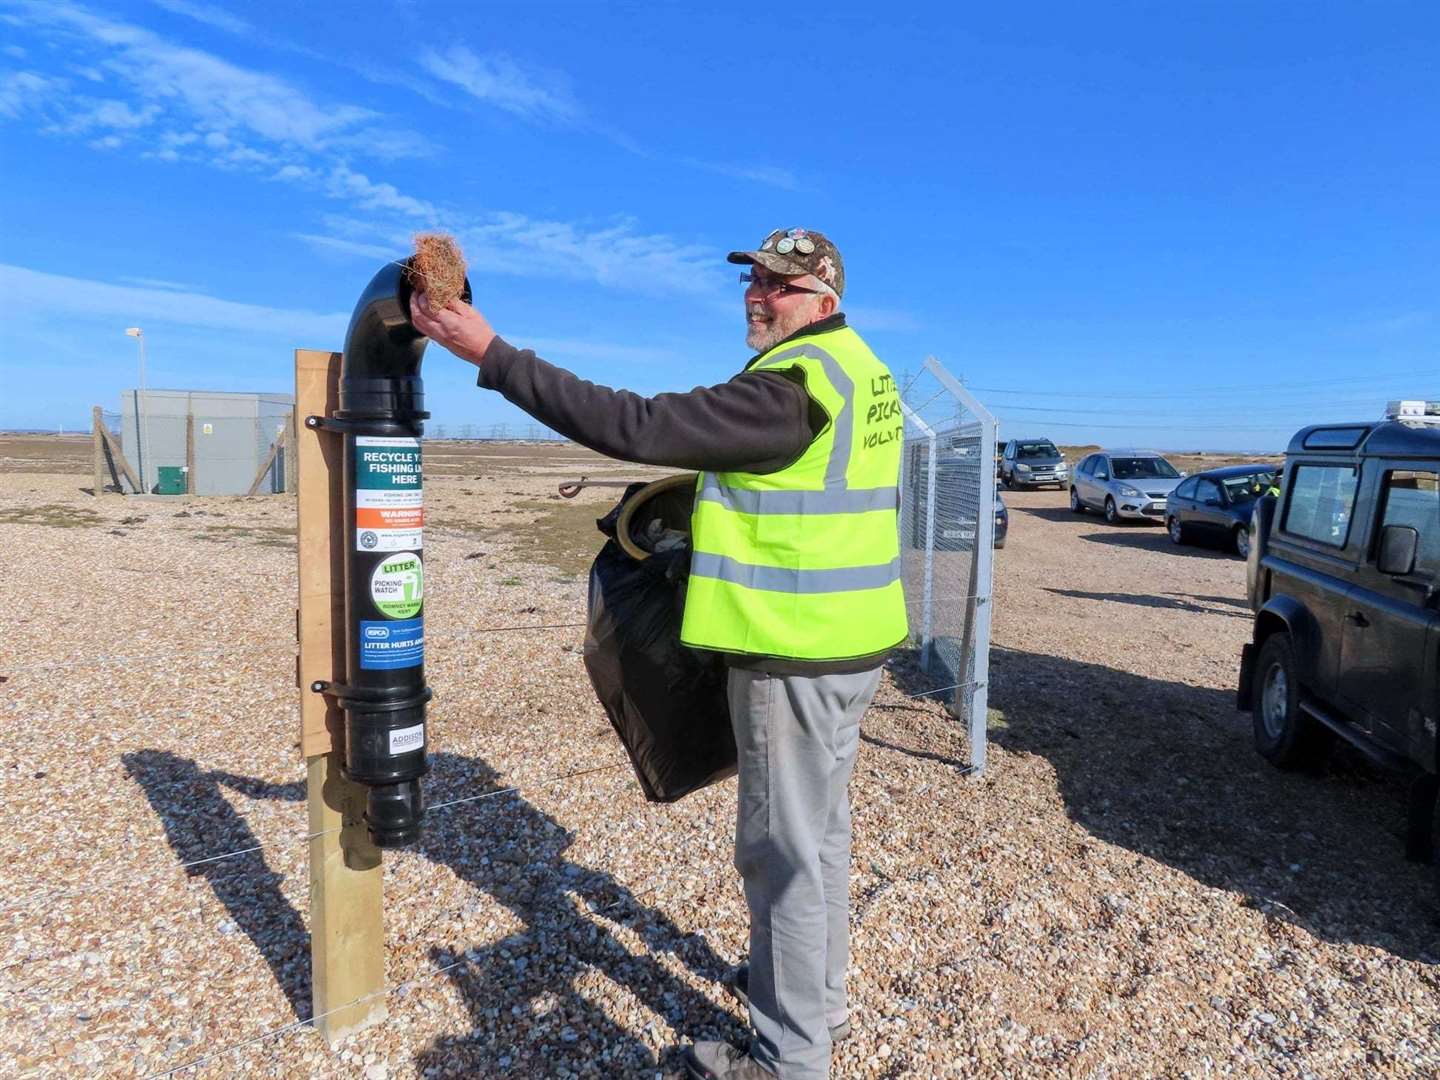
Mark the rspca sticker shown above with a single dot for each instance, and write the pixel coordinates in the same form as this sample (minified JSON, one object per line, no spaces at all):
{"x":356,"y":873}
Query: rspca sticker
{"x":405,"y":739}
{"x":392,"y":644}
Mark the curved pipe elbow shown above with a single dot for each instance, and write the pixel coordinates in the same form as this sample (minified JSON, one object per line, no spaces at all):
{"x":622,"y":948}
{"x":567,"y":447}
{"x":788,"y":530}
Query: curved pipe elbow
{"x":380,"y":367}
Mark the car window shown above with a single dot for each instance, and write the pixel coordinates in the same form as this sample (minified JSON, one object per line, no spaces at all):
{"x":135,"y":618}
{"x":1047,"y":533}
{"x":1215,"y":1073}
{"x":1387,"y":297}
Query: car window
{"x":1321,"y":501}
{"x":1413,"y":498}
{"x":1247,"y":488}
{"x":1036,"y":450}
{"x":1207,"y":489}
{"x":1143,"y":468}
{"x":1101,"y":469}
{"x":1187,"y":489}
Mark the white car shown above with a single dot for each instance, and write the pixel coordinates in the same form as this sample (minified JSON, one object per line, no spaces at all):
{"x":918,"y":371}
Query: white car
{"x":1124,"y":485}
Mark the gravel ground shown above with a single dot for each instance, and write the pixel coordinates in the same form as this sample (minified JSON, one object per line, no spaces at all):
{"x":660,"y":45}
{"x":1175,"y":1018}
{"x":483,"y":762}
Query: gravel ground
{"x":1128,"y":892}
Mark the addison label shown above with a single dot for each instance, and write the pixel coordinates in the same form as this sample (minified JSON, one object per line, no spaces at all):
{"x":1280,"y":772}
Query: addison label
{"x":389,"y":493}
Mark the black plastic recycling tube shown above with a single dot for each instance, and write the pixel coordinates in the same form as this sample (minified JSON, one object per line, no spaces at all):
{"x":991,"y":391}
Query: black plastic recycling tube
{"x":380,"y":418}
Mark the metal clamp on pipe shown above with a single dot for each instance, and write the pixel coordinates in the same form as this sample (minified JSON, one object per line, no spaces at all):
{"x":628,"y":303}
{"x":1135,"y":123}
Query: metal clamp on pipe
{"x":380,"y":418}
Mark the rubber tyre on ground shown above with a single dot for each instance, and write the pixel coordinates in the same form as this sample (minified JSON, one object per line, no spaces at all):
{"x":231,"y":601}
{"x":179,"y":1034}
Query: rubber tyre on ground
{"x":1241,"y":540}
{"x":1111,"y":514}
{"x":1176,"y":529}
{"x":1076,"y":506}
{"x":1284,"y":735}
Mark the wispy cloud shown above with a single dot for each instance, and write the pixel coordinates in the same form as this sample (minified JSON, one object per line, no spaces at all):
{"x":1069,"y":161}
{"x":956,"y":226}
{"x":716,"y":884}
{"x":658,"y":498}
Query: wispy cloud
{"x":1399,"y":324}
{"x":161,"y":283}
{"x":341,"y":246}
{"x":498,"y":80}
{"x":57,"y":295}
{"x":206,"y":13}
{"x":872,"y":318}
{"x":759,"y":174}
{"x":171,"y":103}
{"x":185,"y":90}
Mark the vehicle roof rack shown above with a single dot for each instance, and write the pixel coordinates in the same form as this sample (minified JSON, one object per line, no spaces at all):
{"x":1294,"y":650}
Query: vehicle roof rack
{"x":1415,"y":412}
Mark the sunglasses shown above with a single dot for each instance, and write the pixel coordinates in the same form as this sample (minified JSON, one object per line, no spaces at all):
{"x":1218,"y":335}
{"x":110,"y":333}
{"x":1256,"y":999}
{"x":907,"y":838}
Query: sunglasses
{"x":775,"y":287}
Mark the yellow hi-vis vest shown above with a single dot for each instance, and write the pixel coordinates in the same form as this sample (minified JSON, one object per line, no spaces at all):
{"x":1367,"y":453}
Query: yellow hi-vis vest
{"x":804,"y":563}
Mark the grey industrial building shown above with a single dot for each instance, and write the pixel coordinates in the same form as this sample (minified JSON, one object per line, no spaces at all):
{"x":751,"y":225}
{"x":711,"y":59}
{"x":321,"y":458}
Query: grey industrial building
{"x":233,"y":436}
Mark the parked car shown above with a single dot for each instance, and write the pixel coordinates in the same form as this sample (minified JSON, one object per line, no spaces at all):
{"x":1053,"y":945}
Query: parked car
{"x":1002,"y":520}
{"x":1033,"y":463}
{"x":1344,"y":580}
{"x":1217,"y":504}
{"x":1124,"y":485}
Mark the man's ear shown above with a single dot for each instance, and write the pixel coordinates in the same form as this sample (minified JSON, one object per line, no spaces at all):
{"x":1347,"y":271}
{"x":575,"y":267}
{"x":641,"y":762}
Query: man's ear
{"x":828,"y":305}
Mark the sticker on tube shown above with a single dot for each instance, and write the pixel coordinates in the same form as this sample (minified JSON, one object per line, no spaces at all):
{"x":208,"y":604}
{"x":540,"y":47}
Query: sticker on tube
{"x":389,"y":493}
{"x":397,"y":585}
{"x":388,"y":644}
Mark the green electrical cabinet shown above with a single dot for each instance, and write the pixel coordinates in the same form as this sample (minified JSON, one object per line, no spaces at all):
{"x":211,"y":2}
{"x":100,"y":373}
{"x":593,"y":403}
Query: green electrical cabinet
{"x":172,"y":480}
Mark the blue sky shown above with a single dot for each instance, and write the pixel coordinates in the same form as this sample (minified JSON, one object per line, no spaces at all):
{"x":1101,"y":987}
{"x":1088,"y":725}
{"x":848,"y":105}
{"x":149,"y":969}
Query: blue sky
{"x":1183,"y":225}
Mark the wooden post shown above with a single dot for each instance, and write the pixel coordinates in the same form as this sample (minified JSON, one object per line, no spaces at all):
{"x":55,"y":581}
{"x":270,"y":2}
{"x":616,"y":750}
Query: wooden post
{"x":290,"y":468}
{"x":347,"y":935}
{"x":265,"y":465}
{"x":189,"y":449}
{"x":116,"y":459}
{"x":97,"y":446}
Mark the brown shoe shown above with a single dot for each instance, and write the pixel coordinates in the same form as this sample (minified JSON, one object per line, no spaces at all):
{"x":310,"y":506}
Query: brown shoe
{"x":740,"y":987}
{"x":708,"y":1060}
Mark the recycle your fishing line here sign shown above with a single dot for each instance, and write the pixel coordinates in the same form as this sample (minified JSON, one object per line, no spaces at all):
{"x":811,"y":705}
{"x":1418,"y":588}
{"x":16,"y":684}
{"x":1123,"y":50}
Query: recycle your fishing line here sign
{"x":389,"y":495}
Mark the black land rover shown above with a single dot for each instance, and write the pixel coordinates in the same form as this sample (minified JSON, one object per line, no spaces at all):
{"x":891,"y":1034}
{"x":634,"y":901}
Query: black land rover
{"x":1344,"y":579}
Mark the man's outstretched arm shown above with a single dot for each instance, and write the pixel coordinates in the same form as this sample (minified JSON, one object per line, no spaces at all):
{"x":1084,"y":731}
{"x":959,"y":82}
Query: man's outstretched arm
{"x":756,"y":422}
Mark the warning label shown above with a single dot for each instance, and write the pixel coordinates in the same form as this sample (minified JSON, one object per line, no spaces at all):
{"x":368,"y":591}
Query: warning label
{"x":397,"y":586}
{"x":389,"y":496}
{"x":397,"y":644}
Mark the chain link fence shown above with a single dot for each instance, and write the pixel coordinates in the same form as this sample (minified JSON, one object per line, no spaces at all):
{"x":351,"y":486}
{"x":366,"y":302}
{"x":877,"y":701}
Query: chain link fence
{"x":947,"y":535}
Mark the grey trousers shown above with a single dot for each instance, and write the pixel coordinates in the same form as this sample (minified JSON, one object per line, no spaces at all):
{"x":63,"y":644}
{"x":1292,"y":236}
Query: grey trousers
{"x":796,"y":737}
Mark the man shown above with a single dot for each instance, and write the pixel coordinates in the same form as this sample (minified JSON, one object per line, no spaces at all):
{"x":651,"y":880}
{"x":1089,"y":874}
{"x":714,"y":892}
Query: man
{"x":795,"y":577}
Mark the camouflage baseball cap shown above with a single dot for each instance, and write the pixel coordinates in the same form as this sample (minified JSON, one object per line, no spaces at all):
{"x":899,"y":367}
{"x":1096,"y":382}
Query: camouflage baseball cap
{"x":798,"y":251}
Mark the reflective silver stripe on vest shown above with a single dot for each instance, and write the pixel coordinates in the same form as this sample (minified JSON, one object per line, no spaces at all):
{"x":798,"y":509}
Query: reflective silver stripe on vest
{"x":840,"y":500}
{"x":781,"y":579}
{"x":839,"y":464}
{"x":837,"y":498}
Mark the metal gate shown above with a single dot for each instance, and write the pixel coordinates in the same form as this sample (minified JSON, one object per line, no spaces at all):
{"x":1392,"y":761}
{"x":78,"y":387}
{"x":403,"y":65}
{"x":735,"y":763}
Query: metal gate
{"x":947,"y":536}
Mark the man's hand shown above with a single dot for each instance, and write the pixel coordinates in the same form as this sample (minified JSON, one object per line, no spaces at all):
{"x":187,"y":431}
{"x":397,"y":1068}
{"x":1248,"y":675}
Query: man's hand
{"x":459,"y":327}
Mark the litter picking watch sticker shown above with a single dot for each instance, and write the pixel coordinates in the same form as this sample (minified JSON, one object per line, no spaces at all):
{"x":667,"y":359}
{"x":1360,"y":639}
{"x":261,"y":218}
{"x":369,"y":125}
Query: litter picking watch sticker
{"x":388,"y":645}
{"x":398,"y":586}
{"x":389,"y":496}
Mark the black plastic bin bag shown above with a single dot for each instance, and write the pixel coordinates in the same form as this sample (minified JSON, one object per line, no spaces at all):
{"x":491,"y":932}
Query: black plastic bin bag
{"x":666,"y":701}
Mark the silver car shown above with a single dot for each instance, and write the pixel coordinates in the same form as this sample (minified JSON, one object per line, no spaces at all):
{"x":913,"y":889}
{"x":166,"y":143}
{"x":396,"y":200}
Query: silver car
{"x":1124,"y":485}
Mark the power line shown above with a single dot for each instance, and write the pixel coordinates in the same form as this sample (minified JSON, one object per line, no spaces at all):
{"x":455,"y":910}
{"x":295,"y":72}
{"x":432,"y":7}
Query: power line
{"x":1261,"y":385}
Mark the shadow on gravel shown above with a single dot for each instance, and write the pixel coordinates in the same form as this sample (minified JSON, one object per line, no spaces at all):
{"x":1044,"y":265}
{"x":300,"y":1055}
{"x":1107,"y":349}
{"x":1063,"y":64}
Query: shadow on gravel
{"x":1048,"y":513}
{"x":1169,"y":771}
{"x":1173,"y":602}
{"x":199,"y":823}
{"x":1156,"y":540}
{"x":524,"y":993}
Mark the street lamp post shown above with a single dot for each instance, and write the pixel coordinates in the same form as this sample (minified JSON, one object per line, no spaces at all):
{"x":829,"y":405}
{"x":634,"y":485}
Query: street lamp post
{"x":142,"y":429}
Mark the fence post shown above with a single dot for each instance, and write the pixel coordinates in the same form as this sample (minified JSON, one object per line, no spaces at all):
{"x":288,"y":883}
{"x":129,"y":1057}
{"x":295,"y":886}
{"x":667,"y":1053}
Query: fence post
{"x":189,"y":449}
{"x":347,"y":936}
{"x":97,"y":446}
{"x":982,"y":589}
{"x":291,"y":468}
{"x":927,"y":618}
